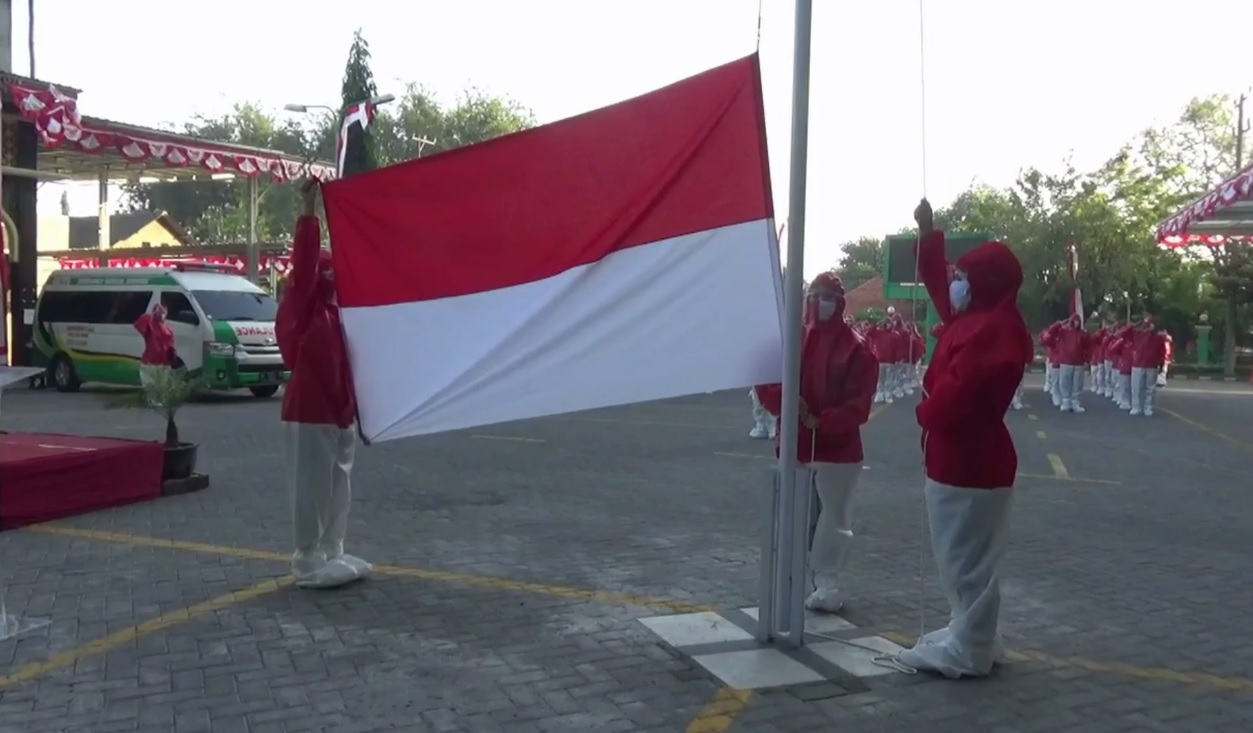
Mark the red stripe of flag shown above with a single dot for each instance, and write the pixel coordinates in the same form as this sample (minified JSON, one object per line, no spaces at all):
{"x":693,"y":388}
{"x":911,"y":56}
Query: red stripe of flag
{"x":686,"y":158}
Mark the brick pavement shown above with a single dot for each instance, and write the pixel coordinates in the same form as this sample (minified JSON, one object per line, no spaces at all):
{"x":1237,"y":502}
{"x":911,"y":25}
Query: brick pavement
{"x":1118,"y":592}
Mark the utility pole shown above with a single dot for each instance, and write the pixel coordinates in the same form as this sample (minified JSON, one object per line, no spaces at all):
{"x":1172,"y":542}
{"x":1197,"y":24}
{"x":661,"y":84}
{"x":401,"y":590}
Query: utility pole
{"x":1241,"y":128}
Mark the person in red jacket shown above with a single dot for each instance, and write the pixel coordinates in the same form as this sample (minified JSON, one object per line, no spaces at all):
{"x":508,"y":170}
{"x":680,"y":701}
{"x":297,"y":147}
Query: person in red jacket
{"x":838,"y":377}
{"x":1148,"y":352}
{"x":319,"y":410}
{"x":1071,"y":346}
{"x":1168,"y":355}
{"x":1052,"y":366}
{"x":968,"y":451}
{"x":1108,"y":353}
{"x":883,"y":345}
{"x":1096,"y":360}
{"x":159,"y":350}
{"x":1126,"y":348}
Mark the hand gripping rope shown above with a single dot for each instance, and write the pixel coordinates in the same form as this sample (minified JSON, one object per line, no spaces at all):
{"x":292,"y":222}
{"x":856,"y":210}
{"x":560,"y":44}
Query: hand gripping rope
{"x":892,"y":661}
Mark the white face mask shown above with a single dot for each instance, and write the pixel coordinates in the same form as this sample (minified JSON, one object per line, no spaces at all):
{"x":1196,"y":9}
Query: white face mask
{"x":826,"y":309}
{"x":959,"y":295}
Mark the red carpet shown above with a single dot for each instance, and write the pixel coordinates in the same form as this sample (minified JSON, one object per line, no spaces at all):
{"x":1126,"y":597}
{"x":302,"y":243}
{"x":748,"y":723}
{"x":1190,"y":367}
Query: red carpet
{"x":45,"y":477}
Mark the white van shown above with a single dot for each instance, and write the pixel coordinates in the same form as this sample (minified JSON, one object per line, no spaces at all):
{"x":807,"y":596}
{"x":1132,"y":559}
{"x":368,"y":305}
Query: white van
{"x":223,"y":326}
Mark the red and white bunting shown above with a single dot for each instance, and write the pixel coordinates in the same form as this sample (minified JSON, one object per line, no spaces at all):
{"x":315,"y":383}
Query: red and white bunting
{"x":1174,"y":231}
{"x":281,"y":263}
{"x":58,"y":123}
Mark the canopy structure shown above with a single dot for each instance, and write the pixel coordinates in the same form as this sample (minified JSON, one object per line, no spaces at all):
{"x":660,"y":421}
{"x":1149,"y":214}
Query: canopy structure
{"x":77,"y":148}
{"x":1223,"y":215}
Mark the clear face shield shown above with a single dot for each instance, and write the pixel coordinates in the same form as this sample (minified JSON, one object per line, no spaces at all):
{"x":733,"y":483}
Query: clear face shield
{"x":959,"y":291}
{"x":827,"y":302}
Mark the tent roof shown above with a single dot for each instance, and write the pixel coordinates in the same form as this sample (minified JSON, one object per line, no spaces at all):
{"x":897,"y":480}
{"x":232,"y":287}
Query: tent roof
{"x":1222,"y":215}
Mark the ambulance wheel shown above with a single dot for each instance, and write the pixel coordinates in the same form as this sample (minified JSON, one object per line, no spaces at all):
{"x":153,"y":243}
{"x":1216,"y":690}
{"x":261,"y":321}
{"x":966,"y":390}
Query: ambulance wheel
{"x":64,"y":378}
{"x":267,"y":391}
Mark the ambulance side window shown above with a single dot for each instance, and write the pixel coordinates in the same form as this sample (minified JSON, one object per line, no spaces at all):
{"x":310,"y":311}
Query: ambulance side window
{"x":179,"y":309}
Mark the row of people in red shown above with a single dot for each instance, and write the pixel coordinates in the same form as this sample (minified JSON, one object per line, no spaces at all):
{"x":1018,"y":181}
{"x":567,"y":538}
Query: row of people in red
{"x":1123,"y":361}
{"x":899,"y":347}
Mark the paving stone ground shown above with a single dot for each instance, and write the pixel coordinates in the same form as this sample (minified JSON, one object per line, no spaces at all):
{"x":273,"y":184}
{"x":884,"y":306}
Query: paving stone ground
{"x":520,"y":556}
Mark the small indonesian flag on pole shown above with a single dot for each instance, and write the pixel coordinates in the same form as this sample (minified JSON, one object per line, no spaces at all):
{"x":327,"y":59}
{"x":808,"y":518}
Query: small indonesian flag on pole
{"x":620,"y":256}
{"x":1076,"y":297}
{"x":362,"y":114}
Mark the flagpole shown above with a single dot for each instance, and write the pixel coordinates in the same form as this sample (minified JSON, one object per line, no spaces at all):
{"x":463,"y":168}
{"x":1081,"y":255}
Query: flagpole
{"x":787,"y":605}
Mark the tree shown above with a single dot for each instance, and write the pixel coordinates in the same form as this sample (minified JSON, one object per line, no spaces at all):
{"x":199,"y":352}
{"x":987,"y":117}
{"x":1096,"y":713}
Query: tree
{"x":1194,"y":155}
{"x":860,"y":262}
{"x":360,"y":149}
{"x":216,"y":211}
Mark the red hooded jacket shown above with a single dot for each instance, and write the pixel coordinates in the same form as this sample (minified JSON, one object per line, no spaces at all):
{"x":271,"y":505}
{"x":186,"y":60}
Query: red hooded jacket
{"x":1148,"y":348}
{"x":1048,"y":339}
{"x":882,"y":343}
{"x":838,"y":380}
{"x":975,"y":369}
{"x":1096,"y":346}
{"x":158,"y":340}
{"x":311,"y":337}
{"x":1069,"y":343}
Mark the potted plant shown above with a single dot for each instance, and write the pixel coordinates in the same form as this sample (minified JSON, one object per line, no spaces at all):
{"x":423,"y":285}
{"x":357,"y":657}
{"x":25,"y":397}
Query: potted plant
{"x":165,"y":390}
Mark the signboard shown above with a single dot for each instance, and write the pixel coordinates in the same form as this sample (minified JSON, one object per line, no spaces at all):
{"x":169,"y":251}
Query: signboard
{"x":900,"y":265}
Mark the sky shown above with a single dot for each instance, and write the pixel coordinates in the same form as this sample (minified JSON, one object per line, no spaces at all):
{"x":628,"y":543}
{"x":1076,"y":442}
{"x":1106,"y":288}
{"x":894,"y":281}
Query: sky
{"x":1007,"y":84}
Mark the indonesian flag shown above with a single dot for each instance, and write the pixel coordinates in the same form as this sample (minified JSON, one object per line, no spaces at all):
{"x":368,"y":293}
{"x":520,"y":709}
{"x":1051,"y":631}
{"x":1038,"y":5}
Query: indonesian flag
{"x":358,"y":114}
{"x":1076,"y":297}
{"x":620,"y":256}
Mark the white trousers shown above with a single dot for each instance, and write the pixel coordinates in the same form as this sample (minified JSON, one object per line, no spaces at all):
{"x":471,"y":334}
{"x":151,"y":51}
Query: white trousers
{"x":833,"y":535}
{"x":1107,"y":378}
{"x":1069,"y":384}
{"x":763,"y":421}
{"x":319,"y":467}
{"x":969,"y":537}
{"x":885,"y":386}
{"x":1050,"y":376}
{"x":1123,"y":392}
{"x":1143,"y":385}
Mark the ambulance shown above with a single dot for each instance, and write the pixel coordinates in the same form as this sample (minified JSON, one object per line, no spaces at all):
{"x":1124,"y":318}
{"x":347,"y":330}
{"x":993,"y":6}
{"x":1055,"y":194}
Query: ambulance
{"x":223,"y":326}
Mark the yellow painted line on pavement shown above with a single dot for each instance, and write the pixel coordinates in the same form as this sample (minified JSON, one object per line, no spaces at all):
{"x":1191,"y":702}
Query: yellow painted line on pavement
{"x":1243,"y":445}
{"x":720,"y":712}
{"x":144,"y":541}
{"x":1157,"y":674}
{"x":439,"y":576}
{"x":1040,"y":434}
{"x":1032,"y":417}
{"x":1059,"y":468}
{"x":1048,"y":477}
{"x":129,"y":635}
{"x":758,"y":456}
{"x":512,"y":438}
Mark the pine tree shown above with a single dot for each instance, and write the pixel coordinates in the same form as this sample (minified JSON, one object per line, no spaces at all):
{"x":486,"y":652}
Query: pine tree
{"x":361,"y":152}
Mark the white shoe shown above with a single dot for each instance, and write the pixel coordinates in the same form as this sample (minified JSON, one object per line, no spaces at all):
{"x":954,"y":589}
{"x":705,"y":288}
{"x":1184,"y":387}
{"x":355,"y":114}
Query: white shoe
{"x":878,"y":398}
{"x":1017,"y":406}
{"x":1077,"y":408}
{"x":1136,"y":413}
{"x":825,"y":601}
{"x":1064,"y":407}
{"x":888,"y":399}
{"x":758,"y":433}
{"x":1148,"y":412}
